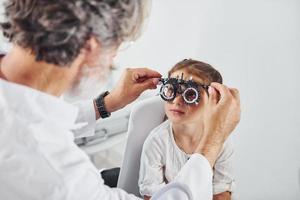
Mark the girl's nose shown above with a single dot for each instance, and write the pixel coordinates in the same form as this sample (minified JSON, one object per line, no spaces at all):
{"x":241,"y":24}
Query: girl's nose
{"x":178,"y":100}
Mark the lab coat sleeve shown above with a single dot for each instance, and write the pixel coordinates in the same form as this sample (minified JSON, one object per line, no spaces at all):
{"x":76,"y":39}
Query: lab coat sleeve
{"x":194,"y":182}
{"x":86,"y":119}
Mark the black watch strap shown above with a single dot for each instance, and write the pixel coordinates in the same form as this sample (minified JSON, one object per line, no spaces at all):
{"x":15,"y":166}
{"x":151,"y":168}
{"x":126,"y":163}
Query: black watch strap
{"x":101,"y":105}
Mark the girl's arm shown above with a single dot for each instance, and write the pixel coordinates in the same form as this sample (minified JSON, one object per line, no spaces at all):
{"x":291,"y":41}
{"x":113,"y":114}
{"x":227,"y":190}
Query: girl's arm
{"x":151,"y":176}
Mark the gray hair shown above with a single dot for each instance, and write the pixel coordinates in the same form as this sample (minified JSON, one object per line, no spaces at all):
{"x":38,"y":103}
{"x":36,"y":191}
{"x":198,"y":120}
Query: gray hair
{"x":56,"y":30}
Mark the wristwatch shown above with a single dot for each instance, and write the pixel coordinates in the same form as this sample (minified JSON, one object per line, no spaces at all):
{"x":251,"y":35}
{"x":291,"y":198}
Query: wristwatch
{"x":101,"y":105}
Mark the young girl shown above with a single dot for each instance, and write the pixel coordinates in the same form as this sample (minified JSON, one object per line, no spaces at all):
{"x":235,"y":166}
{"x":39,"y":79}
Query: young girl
{"x":169,"y":146}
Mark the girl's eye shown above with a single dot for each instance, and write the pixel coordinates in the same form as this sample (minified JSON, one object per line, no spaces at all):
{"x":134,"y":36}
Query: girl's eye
{"x":168,"y":91}
{"x":190,"y":95}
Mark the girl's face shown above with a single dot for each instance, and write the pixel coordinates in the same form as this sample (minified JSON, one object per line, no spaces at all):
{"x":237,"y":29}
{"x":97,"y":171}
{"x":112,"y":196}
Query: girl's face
{"x":178,"y":111}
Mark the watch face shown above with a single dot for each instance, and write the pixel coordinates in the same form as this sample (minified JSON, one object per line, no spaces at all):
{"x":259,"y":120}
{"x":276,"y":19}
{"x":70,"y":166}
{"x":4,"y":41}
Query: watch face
{"x":101,"y":105}
{"x":105,"y":114}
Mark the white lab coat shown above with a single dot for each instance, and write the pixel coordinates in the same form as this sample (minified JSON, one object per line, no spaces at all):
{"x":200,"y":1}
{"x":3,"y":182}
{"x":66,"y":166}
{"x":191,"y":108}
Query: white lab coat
{"x":39,"y":160}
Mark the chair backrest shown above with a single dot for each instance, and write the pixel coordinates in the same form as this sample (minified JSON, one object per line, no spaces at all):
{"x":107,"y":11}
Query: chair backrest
{"x":145,"y":115}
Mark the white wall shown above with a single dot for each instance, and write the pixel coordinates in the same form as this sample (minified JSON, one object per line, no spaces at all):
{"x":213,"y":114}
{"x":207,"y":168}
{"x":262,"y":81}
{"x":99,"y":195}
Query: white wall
{"x":256,"y":46}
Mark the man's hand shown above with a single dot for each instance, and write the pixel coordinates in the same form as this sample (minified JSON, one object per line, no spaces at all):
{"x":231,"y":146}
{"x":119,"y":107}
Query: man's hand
{"x":132,"y":83}
{"x":222,"y":196}
{"x":222,"y":114}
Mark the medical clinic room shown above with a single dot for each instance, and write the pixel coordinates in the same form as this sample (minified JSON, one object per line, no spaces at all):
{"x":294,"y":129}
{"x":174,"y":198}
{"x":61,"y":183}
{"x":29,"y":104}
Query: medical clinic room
{"x":149,"y":99}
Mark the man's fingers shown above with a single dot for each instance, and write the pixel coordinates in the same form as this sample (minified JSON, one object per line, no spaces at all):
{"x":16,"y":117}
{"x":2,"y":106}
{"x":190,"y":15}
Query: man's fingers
{"x":222,"y":90}
{"x":235,"y":93}
{"x":219,"y":92}
{"x":150,"y":73}
{"x":140,"y":74}
{"x":213,"y":97}
{"x":148,"y":84}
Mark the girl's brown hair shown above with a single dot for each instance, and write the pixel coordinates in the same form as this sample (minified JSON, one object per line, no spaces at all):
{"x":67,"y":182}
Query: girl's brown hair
{"x":200,"y":69}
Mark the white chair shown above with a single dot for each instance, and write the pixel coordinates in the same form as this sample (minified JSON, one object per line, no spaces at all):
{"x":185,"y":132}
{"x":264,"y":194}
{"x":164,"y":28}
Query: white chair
{"x":145,"y":116}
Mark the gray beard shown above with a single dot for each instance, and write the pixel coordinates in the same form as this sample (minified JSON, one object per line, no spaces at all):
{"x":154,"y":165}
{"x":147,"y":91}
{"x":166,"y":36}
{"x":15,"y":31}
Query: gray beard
{"x":91,"y":81}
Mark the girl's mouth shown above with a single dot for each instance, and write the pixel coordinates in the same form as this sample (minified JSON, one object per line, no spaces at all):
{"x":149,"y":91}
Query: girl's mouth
{"x":176,"y":111}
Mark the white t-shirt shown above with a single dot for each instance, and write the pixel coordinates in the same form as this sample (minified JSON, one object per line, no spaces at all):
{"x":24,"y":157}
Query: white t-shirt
{"x":162,"y":159}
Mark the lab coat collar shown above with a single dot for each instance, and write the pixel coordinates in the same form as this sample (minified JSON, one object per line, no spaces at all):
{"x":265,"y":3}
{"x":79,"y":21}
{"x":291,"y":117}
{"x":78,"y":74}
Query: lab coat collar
{"x":37,"y":104}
